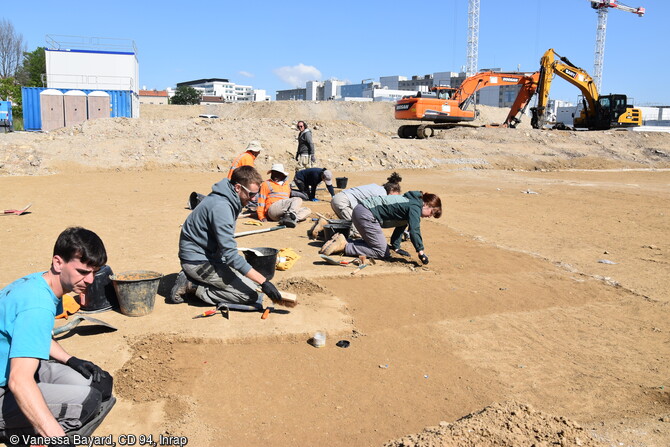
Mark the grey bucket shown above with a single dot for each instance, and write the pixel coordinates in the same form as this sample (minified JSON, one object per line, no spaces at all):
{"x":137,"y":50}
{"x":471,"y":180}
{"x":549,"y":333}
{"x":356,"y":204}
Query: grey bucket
{"x":136,"y":291}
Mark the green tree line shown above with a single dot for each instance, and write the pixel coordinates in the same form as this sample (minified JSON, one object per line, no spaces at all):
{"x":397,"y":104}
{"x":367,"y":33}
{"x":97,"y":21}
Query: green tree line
{"x":18,"y":67}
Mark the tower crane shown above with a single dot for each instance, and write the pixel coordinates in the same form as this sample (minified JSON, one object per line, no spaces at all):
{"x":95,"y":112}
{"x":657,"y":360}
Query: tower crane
{"x":473,"y":37}
{"x":602,"y":7}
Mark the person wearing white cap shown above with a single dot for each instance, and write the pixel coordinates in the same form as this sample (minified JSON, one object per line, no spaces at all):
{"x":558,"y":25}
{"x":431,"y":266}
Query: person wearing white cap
{"x":246,"y":158}
{"x":308,"y":179}
{"x":275,"y":202}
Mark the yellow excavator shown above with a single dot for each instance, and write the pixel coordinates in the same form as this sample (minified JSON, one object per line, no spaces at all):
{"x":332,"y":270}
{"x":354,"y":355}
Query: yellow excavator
{"x":598,"y":112}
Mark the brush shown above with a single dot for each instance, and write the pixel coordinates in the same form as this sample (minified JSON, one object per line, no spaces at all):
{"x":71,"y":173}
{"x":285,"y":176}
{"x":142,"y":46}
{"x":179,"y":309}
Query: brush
{"x":287,"y":299}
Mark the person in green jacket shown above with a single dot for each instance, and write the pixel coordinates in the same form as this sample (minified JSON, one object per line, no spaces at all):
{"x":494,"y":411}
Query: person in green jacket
{"x":393,"y":211}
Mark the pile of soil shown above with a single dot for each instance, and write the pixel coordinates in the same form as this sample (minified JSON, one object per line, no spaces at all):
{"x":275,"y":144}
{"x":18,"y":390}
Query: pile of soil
{"x":508,"y":424}
{"x":348,"y":137}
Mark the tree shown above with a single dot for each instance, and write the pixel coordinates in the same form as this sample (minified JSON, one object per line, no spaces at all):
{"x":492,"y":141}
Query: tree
{"x":12,"y":48}
{"x":33,"y":67}
{"x":10,"y":90}
{"x":186,"y":95}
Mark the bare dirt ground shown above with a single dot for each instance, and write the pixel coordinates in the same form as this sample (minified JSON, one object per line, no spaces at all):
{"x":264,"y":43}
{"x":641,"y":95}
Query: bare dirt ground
{"x":516,"y":333}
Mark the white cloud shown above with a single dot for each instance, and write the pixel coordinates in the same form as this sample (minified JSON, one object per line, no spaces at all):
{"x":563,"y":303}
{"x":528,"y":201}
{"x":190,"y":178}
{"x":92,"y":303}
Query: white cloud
{"x":246,"y":74}
{"x":298,"y":75}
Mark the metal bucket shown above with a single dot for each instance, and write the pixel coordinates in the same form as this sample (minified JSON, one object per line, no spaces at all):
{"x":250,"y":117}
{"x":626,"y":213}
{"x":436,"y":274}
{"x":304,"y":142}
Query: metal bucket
{"x":136,"y":291}
{"x":266,"y":263}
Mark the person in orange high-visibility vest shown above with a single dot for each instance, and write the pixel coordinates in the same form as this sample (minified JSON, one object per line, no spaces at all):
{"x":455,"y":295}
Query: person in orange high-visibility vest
{"x":275,"y":202}
{"x":246,"y":158}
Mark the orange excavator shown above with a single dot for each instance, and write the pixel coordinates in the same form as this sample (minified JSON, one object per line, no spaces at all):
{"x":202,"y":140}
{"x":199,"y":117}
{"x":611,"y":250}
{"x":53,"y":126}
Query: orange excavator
{"x":445,"y":107}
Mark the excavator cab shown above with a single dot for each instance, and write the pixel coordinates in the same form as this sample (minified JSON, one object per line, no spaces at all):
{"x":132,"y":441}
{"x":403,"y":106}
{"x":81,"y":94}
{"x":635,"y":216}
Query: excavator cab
{"x":616,"y":111}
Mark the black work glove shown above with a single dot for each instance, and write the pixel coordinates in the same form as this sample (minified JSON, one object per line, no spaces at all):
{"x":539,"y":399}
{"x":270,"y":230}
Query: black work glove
{"x":86,"y":368}
{"x":401,"y":252}
{"x":271,"y":291}
{"x":313,"y":158}
{"x":423,"y":258}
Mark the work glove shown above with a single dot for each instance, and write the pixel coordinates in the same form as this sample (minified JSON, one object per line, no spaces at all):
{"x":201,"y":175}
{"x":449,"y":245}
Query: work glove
{"x":315,"y":199}
{"x":313,"y":158}
{"x":271,"y":291}
{"x":401,"y":252}
{"x":86,"y":368}
{"x":423,"y":258}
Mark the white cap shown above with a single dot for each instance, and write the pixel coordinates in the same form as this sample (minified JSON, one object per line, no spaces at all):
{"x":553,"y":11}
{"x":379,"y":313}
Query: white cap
{"x":279,"y":168}
{"x":254,"y":146}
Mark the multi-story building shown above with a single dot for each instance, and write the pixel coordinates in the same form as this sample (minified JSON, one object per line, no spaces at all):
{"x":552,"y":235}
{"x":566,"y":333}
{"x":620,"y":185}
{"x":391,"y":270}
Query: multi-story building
{"x":391,"y":88}
{"x":222,"y":88}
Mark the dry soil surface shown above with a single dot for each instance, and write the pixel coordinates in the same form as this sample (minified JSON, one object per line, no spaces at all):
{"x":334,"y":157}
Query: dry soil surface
{"x":541,"y":319}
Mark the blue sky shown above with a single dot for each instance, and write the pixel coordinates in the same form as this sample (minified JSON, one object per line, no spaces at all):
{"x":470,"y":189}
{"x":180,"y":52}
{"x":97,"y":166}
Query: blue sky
{"x":276,"y":45}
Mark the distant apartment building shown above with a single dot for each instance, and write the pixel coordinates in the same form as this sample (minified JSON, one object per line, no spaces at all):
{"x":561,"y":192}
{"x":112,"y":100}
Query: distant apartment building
{"x":313,"y":91}
{"x":153,"y":96}
{"x":295,"y":94}
{"x":392,"y":88}
{"x":225,"y":91}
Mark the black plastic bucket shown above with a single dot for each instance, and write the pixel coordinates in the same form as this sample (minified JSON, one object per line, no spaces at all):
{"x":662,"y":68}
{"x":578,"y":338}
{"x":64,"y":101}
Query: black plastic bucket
{"x":341,"y":182}
{"x":330,"y":229}
{"x":265,"y":263}
{"x":100,"y":295}
{"x":136,"y":291}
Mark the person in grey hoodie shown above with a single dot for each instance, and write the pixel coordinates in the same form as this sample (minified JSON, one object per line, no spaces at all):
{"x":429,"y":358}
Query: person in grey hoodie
{"x":305,"y":155}
{"x":212,"y":268}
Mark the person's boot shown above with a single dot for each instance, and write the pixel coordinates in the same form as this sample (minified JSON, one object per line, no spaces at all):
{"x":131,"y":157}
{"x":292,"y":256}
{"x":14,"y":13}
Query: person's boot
{"x":289,"y":219}
{"x":335,"y":245}
{"x":182,"y":287}
{"x":313,"y":233}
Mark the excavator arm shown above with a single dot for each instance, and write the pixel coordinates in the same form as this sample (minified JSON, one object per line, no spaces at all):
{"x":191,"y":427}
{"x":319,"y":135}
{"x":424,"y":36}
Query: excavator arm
{"x":526,"y":92}
{"x":464,"y":95}
{"x":563,"y":68}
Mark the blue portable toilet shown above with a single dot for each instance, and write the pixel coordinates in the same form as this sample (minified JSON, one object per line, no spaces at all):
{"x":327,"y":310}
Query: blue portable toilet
{"x":6,"y":122}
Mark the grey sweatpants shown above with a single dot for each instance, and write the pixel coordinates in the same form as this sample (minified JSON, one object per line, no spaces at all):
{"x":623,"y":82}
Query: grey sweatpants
{"x":68,"y":394}
{"x":373,"y":242}
{"x":219,"y":283}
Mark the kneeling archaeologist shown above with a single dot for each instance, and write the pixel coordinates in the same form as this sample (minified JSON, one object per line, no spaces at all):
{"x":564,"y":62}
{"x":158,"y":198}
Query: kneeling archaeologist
{"x":275,"y":203}
{"x":64,"y":395}
{"x":212,"y":268}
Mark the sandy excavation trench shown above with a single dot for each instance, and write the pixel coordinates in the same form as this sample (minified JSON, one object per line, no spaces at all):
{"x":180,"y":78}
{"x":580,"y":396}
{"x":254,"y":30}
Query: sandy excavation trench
{"x":514,"y":307}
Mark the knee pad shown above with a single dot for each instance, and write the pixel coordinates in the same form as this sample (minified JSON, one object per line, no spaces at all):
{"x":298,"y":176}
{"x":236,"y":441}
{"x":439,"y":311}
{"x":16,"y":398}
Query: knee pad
{"x":104,"y":386}
{"x":90,"y":406}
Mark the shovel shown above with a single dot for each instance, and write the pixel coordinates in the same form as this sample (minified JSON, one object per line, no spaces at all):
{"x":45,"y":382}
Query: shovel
{"x":75,"y":322}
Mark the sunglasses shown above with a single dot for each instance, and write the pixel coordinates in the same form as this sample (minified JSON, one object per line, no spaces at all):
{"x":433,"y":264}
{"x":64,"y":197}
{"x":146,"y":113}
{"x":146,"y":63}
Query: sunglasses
{"x":251,"y":194}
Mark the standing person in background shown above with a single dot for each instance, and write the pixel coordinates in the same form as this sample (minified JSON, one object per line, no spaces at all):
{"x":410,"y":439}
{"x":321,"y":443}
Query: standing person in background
{"x":306,"y":180}
{"x":275,"y":202}
{"x":246,"y":158}
{"x":305,"y":155}
{"x":372,"y":215}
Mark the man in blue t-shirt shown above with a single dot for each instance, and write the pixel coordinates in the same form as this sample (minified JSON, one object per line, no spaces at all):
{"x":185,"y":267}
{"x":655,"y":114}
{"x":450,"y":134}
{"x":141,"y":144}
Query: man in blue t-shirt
{"x":64,"y":395}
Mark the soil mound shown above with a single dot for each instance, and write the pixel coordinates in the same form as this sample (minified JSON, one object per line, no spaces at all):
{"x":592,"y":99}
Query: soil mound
{"x":348,"y":137}
{"x":507,"y":424}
